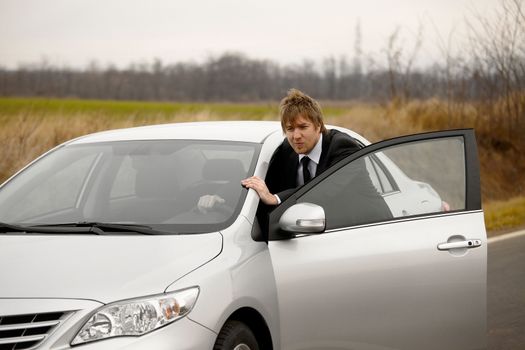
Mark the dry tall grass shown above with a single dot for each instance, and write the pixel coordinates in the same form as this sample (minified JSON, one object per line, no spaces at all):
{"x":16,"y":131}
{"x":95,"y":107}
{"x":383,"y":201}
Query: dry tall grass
{"x":502,"y":157}
{"x":22,"y":137}
{"x":26,"y":132}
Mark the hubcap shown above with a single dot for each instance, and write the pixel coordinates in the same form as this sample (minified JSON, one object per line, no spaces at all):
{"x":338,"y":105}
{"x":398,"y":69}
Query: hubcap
{"x":242,"y":347}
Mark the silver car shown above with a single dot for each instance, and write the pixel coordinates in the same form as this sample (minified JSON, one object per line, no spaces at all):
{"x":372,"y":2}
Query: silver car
{"x":103,"y":245}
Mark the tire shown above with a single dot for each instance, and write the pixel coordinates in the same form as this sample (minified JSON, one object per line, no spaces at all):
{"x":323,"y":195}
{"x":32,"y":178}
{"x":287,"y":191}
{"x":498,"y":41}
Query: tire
{"x":235,"y":335}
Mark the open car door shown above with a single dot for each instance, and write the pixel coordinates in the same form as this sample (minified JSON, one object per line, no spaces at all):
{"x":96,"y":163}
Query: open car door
{"x":385,"y":250}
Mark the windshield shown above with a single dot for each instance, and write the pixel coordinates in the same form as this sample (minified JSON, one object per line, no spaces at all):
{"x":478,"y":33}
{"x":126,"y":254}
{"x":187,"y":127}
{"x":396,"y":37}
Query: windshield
{"x":153,"y":183}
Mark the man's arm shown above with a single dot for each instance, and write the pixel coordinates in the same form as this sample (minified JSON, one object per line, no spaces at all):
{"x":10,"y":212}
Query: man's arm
{"x":340,"y":146}
{"x":277,"y":183}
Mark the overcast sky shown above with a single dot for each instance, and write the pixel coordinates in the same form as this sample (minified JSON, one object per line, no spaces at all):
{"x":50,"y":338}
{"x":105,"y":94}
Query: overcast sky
{"x":74,"y":32}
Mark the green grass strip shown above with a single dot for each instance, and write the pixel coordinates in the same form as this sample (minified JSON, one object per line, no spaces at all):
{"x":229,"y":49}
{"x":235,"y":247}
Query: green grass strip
{"x":45,"y":107}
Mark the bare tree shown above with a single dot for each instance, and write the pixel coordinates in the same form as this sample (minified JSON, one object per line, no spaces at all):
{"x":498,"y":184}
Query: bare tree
{"x":498,"y":55}
{"x":400,"y":66}
{"x":358,"y":50}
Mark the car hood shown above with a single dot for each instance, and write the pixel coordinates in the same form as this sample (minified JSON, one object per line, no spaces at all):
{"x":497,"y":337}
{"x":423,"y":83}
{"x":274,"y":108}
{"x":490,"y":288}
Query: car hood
{"x":102,"y":268}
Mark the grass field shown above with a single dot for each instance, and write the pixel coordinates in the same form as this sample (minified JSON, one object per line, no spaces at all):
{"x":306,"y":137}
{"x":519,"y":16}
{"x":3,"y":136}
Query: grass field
{"x":504,"y":215}
{"x":145,"y":111}
{"x":29,"y":127}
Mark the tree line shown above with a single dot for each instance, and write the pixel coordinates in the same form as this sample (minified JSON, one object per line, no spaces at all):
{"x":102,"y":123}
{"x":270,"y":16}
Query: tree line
{"x":230,"y":77}
{"x":489,"y":69}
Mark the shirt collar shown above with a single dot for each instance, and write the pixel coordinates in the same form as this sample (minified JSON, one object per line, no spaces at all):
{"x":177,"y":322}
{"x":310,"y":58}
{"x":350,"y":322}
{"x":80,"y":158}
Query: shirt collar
{"x":315,"y":153}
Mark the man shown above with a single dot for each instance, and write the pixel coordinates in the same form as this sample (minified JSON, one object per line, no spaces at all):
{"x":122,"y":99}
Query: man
{"x":308,"y":150}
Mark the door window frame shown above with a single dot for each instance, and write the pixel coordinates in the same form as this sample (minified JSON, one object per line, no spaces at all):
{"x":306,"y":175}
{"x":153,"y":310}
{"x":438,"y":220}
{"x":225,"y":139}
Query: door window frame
{"x":472,"y":176}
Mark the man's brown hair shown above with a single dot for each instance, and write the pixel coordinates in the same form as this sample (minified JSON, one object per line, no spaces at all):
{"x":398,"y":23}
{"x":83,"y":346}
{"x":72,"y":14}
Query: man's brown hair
{"x":297,"y":103}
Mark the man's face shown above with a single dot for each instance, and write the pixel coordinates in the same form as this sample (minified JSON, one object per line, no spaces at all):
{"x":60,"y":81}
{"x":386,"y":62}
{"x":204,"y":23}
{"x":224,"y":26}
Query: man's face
{"x":302,"y":134}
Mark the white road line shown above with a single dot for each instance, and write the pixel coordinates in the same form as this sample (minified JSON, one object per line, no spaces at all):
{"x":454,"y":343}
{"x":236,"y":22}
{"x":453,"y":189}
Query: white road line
{"x":506,"y":236}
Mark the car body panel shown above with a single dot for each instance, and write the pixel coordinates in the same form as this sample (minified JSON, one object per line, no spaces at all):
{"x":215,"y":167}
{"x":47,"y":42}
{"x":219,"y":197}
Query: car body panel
{"x":397,"y":293}
{"x":396,"y":289}
{"x":102,"y":268}
{"x":21,"y":306}
{"x":239,"y":131}
{"x":224,"y":131}
{"x":382,"y":285}
{"x":240,"y":278}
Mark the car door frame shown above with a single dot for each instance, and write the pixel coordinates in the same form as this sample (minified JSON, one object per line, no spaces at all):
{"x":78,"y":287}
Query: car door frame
{"x":285,"y":247}
{"x":472,"y":175}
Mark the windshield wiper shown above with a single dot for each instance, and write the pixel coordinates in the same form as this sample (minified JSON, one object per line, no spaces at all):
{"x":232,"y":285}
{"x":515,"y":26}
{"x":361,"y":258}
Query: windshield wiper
{"x":105,"y":227}
{"x":10,"y":228}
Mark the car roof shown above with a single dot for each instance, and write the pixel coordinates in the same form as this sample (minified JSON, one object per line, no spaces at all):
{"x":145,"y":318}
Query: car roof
{"x":240,"y":131}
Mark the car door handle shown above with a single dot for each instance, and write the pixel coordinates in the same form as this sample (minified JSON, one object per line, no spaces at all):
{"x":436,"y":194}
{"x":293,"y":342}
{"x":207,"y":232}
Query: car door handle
{"x":468,"y":243}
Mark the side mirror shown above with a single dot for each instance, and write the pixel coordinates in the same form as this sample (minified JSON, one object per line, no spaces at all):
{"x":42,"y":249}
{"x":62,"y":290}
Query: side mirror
{"x":303,"y":218}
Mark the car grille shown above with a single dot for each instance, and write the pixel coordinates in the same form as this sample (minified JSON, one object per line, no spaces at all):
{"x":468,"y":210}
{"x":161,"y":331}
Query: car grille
{"x":27,"y":331}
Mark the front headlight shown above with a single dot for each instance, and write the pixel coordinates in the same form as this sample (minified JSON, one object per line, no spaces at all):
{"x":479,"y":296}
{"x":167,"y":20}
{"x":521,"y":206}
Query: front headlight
{"x":137,"y":316}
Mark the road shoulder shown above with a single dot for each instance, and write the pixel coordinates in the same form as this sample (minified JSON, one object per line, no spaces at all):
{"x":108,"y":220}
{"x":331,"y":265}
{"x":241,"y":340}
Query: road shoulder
{"x":506,"y":236}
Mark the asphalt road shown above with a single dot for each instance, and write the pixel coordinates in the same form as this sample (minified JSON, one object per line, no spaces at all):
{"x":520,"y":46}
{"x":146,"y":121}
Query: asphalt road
{"x":506,"y":294}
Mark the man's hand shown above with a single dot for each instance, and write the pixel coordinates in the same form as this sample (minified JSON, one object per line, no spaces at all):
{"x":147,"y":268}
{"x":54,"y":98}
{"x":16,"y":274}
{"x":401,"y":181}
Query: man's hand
{"x":260,"y":187}
{"x":208,"y":201}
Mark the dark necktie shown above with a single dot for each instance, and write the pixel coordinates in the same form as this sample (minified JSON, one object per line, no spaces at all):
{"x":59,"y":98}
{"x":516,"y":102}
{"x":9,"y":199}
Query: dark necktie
{"x":306,"y":173}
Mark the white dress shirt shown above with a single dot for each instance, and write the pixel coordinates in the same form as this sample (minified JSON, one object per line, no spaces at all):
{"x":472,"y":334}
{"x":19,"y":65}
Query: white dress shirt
{"x":315,"y":156}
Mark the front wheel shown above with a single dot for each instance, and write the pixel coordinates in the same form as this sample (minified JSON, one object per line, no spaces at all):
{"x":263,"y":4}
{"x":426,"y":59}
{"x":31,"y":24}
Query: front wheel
{"x":235,"y":335}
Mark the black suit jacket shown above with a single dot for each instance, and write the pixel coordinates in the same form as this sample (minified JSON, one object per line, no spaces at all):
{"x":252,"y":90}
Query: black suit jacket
{"x":281,"y":178}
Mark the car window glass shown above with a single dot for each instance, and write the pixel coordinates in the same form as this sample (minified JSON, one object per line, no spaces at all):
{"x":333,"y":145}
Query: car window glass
{"x":430,"y":176}
{"x":165,"y":187}
{"x":58,"y":191}
{"x":155,"y":183}
{"x":124,"y":184}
